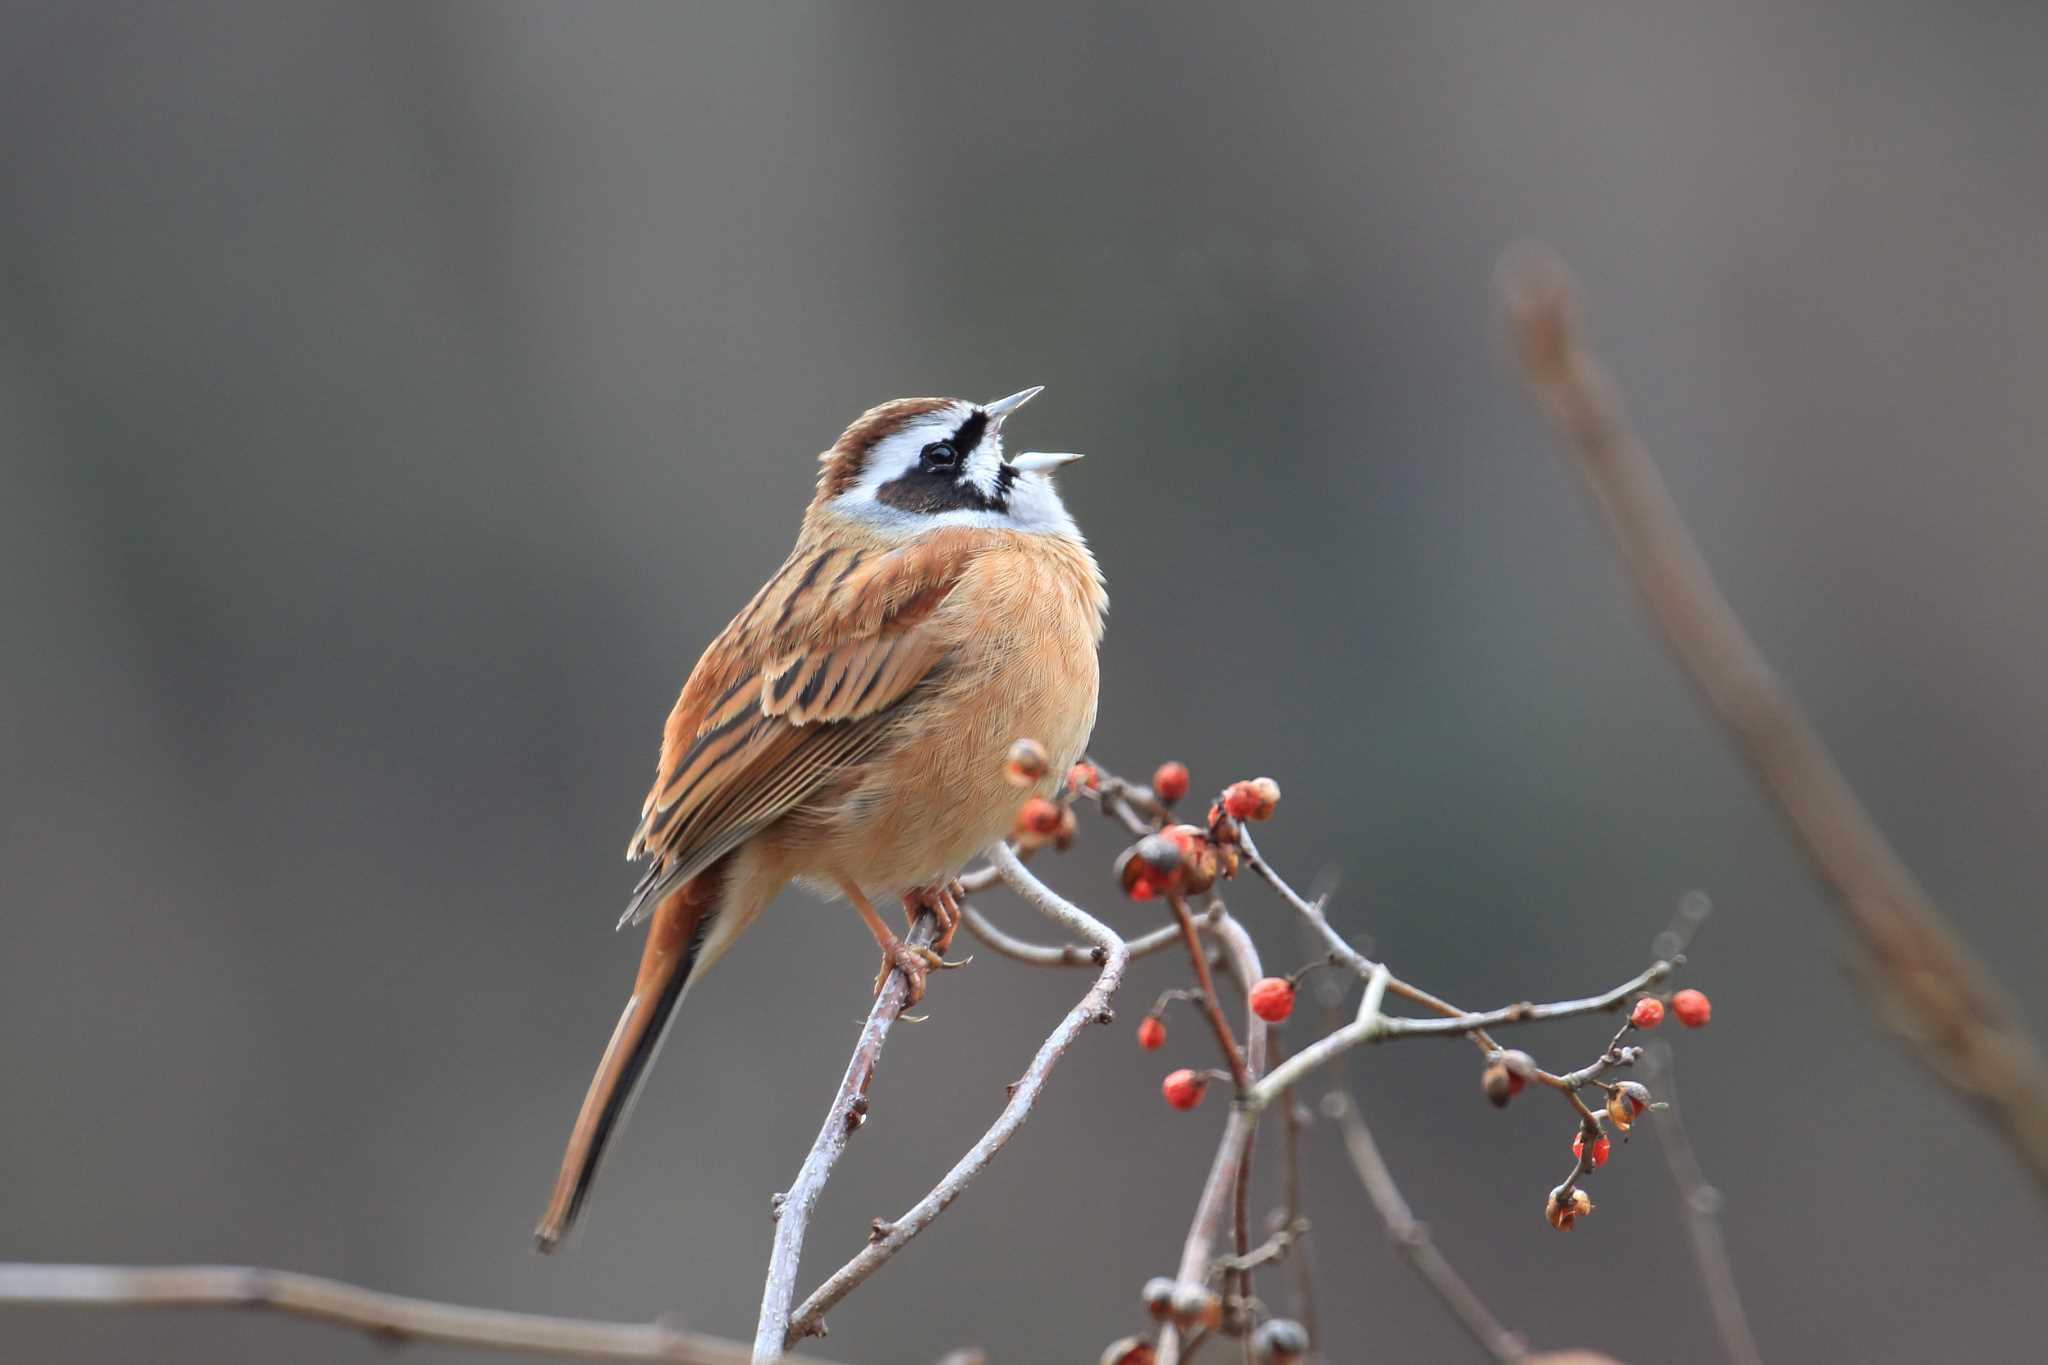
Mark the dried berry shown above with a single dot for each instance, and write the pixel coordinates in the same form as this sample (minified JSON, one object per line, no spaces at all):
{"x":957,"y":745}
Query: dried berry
{"x":1039,"y":817}
{"x":1027,"y":762}
{"x":1565,"y":1209}
{"x":1625,"y":1101}
{"x":1128,"y":1350}
{"x":1279,"y":1341}
{"x":1602,"y":1148}
{"x":1253,"y":800}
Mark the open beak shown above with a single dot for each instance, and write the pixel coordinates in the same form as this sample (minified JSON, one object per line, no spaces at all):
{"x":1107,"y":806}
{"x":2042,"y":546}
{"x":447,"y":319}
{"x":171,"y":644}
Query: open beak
{"x":1003,"y":407}
{"x":1037,"y":461}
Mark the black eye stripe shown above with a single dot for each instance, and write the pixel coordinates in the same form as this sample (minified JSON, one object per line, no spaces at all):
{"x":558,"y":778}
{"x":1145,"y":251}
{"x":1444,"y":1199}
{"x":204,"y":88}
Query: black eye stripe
{"x":970,"y":433}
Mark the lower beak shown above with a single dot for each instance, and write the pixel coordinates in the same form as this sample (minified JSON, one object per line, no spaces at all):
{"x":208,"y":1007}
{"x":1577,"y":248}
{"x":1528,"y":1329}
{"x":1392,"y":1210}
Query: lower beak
{"x":1037,"y":461}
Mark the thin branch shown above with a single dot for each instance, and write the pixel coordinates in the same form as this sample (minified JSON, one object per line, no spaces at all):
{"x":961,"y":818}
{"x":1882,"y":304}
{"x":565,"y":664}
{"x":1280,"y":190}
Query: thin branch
{"x":849,"y":1110}
{"x":1296,"y":1224}
{"x":1008,"y":945}
{"x":1937,"y":994}
{"x":1207,"y":988}
{"x":390,"y":1317}
{"x":1372,"y":1026}
{"x":1094,"y":1007}
{"x":1235,"y":1145}
{"x":1701,"y":1203}
{"x":1411,"y":1237}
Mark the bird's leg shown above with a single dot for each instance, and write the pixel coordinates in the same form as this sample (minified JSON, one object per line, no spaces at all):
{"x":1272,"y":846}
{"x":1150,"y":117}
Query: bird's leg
{"x":944,"y":903}
{"x":913,"y":962}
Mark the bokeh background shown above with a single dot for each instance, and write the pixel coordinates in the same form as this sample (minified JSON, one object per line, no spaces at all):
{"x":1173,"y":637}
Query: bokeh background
{"x":394,"y":399}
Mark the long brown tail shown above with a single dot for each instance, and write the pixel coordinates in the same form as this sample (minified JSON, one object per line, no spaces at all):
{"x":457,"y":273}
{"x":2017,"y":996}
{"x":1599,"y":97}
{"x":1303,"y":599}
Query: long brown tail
{"x":673,"y":943}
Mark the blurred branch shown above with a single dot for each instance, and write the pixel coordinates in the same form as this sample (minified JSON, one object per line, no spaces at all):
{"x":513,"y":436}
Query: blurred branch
{"x":889,"y":1238}
{"x":848,"y":1112}
{"x":392,"y":1318}
{"x":1701,"y":1204}
{"x":1411,"y":1236}
{"x":1936,"y":993}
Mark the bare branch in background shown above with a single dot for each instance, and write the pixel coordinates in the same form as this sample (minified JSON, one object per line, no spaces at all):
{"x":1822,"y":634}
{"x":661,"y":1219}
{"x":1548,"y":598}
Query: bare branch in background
{"x":1411,"y":1237}
{"x":392,"y":1318}
{"x":1936,"y":994}
{"x":1701,"y":1204}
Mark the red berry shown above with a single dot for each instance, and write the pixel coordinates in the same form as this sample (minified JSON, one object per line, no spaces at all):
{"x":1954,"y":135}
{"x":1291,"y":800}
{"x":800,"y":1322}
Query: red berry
{"x":1273,"y":998}
{"x":1151,"y":1033}
{"x":1170,"y":783}
{"x":1083,"y":774}
{"x":1601,"y":1148}
{"x":1039,"y":816}
{"x":1142,"y":889}
{"x":1183,"y":1089}
{"x":1692,"y":1008}
{"x":1648,"y":1013}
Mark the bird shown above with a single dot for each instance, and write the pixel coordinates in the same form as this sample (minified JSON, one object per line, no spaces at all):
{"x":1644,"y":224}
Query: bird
{"x":847,"y":731}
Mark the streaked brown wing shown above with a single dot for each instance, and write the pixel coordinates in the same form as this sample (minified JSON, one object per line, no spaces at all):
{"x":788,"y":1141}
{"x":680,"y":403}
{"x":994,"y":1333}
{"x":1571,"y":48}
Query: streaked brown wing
{"x":804,"y":683}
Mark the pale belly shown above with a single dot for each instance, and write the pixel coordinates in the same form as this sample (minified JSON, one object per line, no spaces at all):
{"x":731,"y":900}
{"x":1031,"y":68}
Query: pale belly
{"x":939,"y":795}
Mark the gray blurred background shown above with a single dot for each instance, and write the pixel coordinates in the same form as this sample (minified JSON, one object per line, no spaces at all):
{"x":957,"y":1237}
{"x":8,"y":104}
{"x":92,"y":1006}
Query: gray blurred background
{"x":394,"y":399}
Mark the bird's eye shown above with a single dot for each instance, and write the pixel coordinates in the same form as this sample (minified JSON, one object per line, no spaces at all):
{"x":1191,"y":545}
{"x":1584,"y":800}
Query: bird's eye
{"x":941,"y":455}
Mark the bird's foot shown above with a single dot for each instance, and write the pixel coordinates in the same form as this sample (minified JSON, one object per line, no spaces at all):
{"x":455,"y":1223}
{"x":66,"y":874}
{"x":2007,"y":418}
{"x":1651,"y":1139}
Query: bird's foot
{"x":944,"y":903}
{"x":915,"y":963}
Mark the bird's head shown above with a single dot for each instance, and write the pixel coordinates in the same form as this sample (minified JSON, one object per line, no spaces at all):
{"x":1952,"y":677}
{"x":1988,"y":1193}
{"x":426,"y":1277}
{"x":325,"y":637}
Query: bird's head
{"x":919,"y":463}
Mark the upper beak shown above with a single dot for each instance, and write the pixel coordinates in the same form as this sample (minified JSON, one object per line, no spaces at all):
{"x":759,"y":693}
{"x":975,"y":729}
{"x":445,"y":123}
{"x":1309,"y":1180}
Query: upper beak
{"x":1031,"y":461}
{"x":1003,"y":407}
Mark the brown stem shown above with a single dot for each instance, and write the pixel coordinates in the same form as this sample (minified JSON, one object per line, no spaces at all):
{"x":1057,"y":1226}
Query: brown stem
{"x":1411,"y":1237}
{"x":1942,"y":1000}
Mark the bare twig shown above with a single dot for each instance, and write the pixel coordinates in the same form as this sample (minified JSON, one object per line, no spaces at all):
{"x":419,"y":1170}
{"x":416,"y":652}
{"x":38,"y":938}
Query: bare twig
{"x":849,"y":1109}
{"x":1207,"y":989}
{"x":1061,"y":954}
{"x":1093,"y":1008}
{"x":1701,"y":1204}
{"x":1296,"y":1223}
{"x":390,"y":1317}
{"x":1411,"y":1237}
{"x":1374,"y":1027}
{"x":1234,"y":1147}
{"x":1936,"y":992}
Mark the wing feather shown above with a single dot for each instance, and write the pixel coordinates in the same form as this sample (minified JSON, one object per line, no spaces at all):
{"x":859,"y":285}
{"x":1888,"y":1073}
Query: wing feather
{"x":807,"y":681}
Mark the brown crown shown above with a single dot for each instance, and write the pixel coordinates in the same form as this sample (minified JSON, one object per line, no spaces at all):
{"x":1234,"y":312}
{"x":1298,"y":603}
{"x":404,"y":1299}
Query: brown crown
{"x":844,"y":461}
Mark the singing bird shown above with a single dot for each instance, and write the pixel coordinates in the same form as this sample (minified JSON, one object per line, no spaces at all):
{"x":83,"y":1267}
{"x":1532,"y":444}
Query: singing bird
{"x":848,"y":729}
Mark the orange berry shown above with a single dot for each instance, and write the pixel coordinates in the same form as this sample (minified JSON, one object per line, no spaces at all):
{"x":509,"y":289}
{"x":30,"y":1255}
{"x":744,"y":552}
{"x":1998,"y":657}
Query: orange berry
{"x":1083,"y":774}
{"x":1141,"y":889}
{"x":1692,"y":1008}
{"x":1170,"y":782}
{"x":1183,"y":1089}
{"x":1601,"y":1148}
{"x":1272,"y":998}
{"x":1039,"y":816}
{"x":1151,"y":1033}
{"x":1027,"y":762}
{"x":1648,"y":1013}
